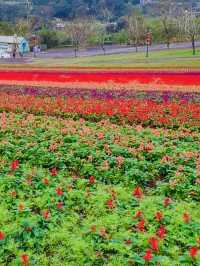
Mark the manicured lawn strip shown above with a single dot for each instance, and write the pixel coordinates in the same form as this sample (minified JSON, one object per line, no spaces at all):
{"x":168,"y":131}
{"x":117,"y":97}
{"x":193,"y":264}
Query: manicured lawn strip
{"x":83,"y":193}
{"x":173,"y":58}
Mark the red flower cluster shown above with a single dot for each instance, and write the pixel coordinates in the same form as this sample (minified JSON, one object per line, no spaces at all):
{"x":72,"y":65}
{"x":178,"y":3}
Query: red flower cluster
{"x":14,"y":165}
{"x":137,"y":192}
{"x":145,"y":77}
{"x":133,"y":110}
{"x":2,"y":235}
{"x":24,"y":259}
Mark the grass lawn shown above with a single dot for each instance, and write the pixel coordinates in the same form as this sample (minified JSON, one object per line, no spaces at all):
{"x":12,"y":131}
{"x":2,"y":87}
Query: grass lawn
{"x":158,"y":59}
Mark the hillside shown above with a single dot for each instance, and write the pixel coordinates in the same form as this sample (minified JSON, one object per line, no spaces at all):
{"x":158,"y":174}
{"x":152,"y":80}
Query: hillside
{"x":68,"y":9}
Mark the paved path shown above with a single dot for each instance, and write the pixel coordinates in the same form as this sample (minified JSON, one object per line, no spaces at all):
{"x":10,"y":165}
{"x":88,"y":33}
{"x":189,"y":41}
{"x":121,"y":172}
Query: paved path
{"x":111,"y":49}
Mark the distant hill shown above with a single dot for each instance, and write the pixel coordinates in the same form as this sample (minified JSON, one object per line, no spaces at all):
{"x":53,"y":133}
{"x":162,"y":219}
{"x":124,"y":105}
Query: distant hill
{"x":68,"y":9}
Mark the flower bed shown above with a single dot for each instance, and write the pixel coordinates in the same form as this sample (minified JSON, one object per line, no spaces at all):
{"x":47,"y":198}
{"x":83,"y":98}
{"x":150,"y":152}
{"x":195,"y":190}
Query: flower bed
{"x":85,"y":193}
{"x":99,"y":176}
{"x":123,"y":77}
{"x":146,"y":111}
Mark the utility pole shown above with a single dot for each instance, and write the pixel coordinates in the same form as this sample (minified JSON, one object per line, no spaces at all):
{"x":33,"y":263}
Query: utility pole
{"x":28,"y":4}
{"x":148,"y":42}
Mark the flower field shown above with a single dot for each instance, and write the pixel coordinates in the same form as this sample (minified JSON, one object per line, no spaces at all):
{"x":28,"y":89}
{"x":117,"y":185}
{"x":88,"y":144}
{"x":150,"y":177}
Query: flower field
{"x":99,"y":176}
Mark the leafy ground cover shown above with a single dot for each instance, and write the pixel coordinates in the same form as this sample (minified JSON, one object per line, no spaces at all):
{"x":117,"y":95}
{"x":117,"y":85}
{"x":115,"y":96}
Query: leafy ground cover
{"x":84,"y":193}
{"x":99,"y":176}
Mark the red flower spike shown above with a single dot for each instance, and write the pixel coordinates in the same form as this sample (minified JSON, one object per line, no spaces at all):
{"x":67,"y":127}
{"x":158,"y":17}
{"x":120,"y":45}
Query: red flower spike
{"x":54,"y":171}
{"x":110,"y":204}
{"x":159,"y":216}
{"x":14,"y":165}
{"x":137,"y":192}
{"x":46,"y":214}
{"x":45,"y":181}
{"x":161,"y":232}
{"x":167,"y":202}
{"x":2,"y":235}
{"x":91,"y":180}
{"x":59,"y":191}
{"x":138,"y":214}
{"x":148,"y":255}
{"x":59,"y":205}
{"x":193,"y":252}
{"x":141,"y":225}
{"x":186,"y":217}
{"x":24,"y":259}
{"x":154,"y":243}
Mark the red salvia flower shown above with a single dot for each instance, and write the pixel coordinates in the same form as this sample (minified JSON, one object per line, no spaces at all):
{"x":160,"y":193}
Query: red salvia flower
{"x":54,"y":171}
{"x":110,"y":204}
{"x":141,"y":225}
{"x":193,"y":252}
{"x":137,"y":192}
{"x":60,"y":205}
{"x":138,"y":214}
{"x":14,"y":165}
{"x":167,"y":202}
{"x":159,"y":216}
{"x":59,"y":191}
{"x":45,"y":181}
{"x":148,"y":255}
{"x":186,"y":217}
{"x":2,"y":235}
{"x":161,"y":232}
{"x":154,"y":243}
{"x":24,"y":259}
{"x":46,"y":214}
{"x":91,"y":180}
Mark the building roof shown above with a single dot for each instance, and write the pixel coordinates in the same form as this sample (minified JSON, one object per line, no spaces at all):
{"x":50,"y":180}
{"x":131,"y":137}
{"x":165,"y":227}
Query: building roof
{"x":10,"y":39}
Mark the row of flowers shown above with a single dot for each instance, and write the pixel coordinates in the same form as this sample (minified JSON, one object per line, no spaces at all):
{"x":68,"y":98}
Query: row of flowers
{"x":132,"y":111}
{"x":123,"y":77}
{"x":104,"y":94}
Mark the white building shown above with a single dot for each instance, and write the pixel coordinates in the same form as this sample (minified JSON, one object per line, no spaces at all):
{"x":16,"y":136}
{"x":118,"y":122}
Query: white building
{"x":7,"y":42}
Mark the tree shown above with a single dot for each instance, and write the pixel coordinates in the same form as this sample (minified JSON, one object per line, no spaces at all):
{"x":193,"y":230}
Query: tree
{"x":79,"y":31}
{"x":101,"y":34}
{"x":189,"y":26}
{"x":136,"y":29}
{"x":167,"y":11}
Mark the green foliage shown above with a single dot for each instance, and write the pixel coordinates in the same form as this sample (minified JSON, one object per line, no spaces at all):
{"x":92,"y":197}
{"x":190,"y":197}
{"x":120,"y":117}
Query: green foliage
{"x":85,"y":230}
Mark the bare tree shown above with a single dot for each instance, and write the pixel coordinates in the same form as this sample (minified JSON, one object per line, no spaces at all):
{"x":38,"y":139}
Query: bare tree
{"x":190,"y":27}
{"x":101,"y":34}
{"x":79,"y":31}
{"x":167,"y":18}
{"x":136,"y":29}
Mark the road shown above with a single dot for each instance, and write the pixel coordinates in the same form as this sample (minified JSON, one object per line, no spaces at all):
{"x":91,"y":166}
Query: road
{"x":111,"y":49}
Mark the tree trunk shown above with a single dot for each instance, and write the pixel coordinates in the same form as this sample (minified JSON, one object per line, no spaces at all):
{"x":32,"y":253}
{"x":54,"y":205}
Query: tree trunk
{"x":193,"y":45}
{"x":103,"y":48}
{"x":168,"y":44}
